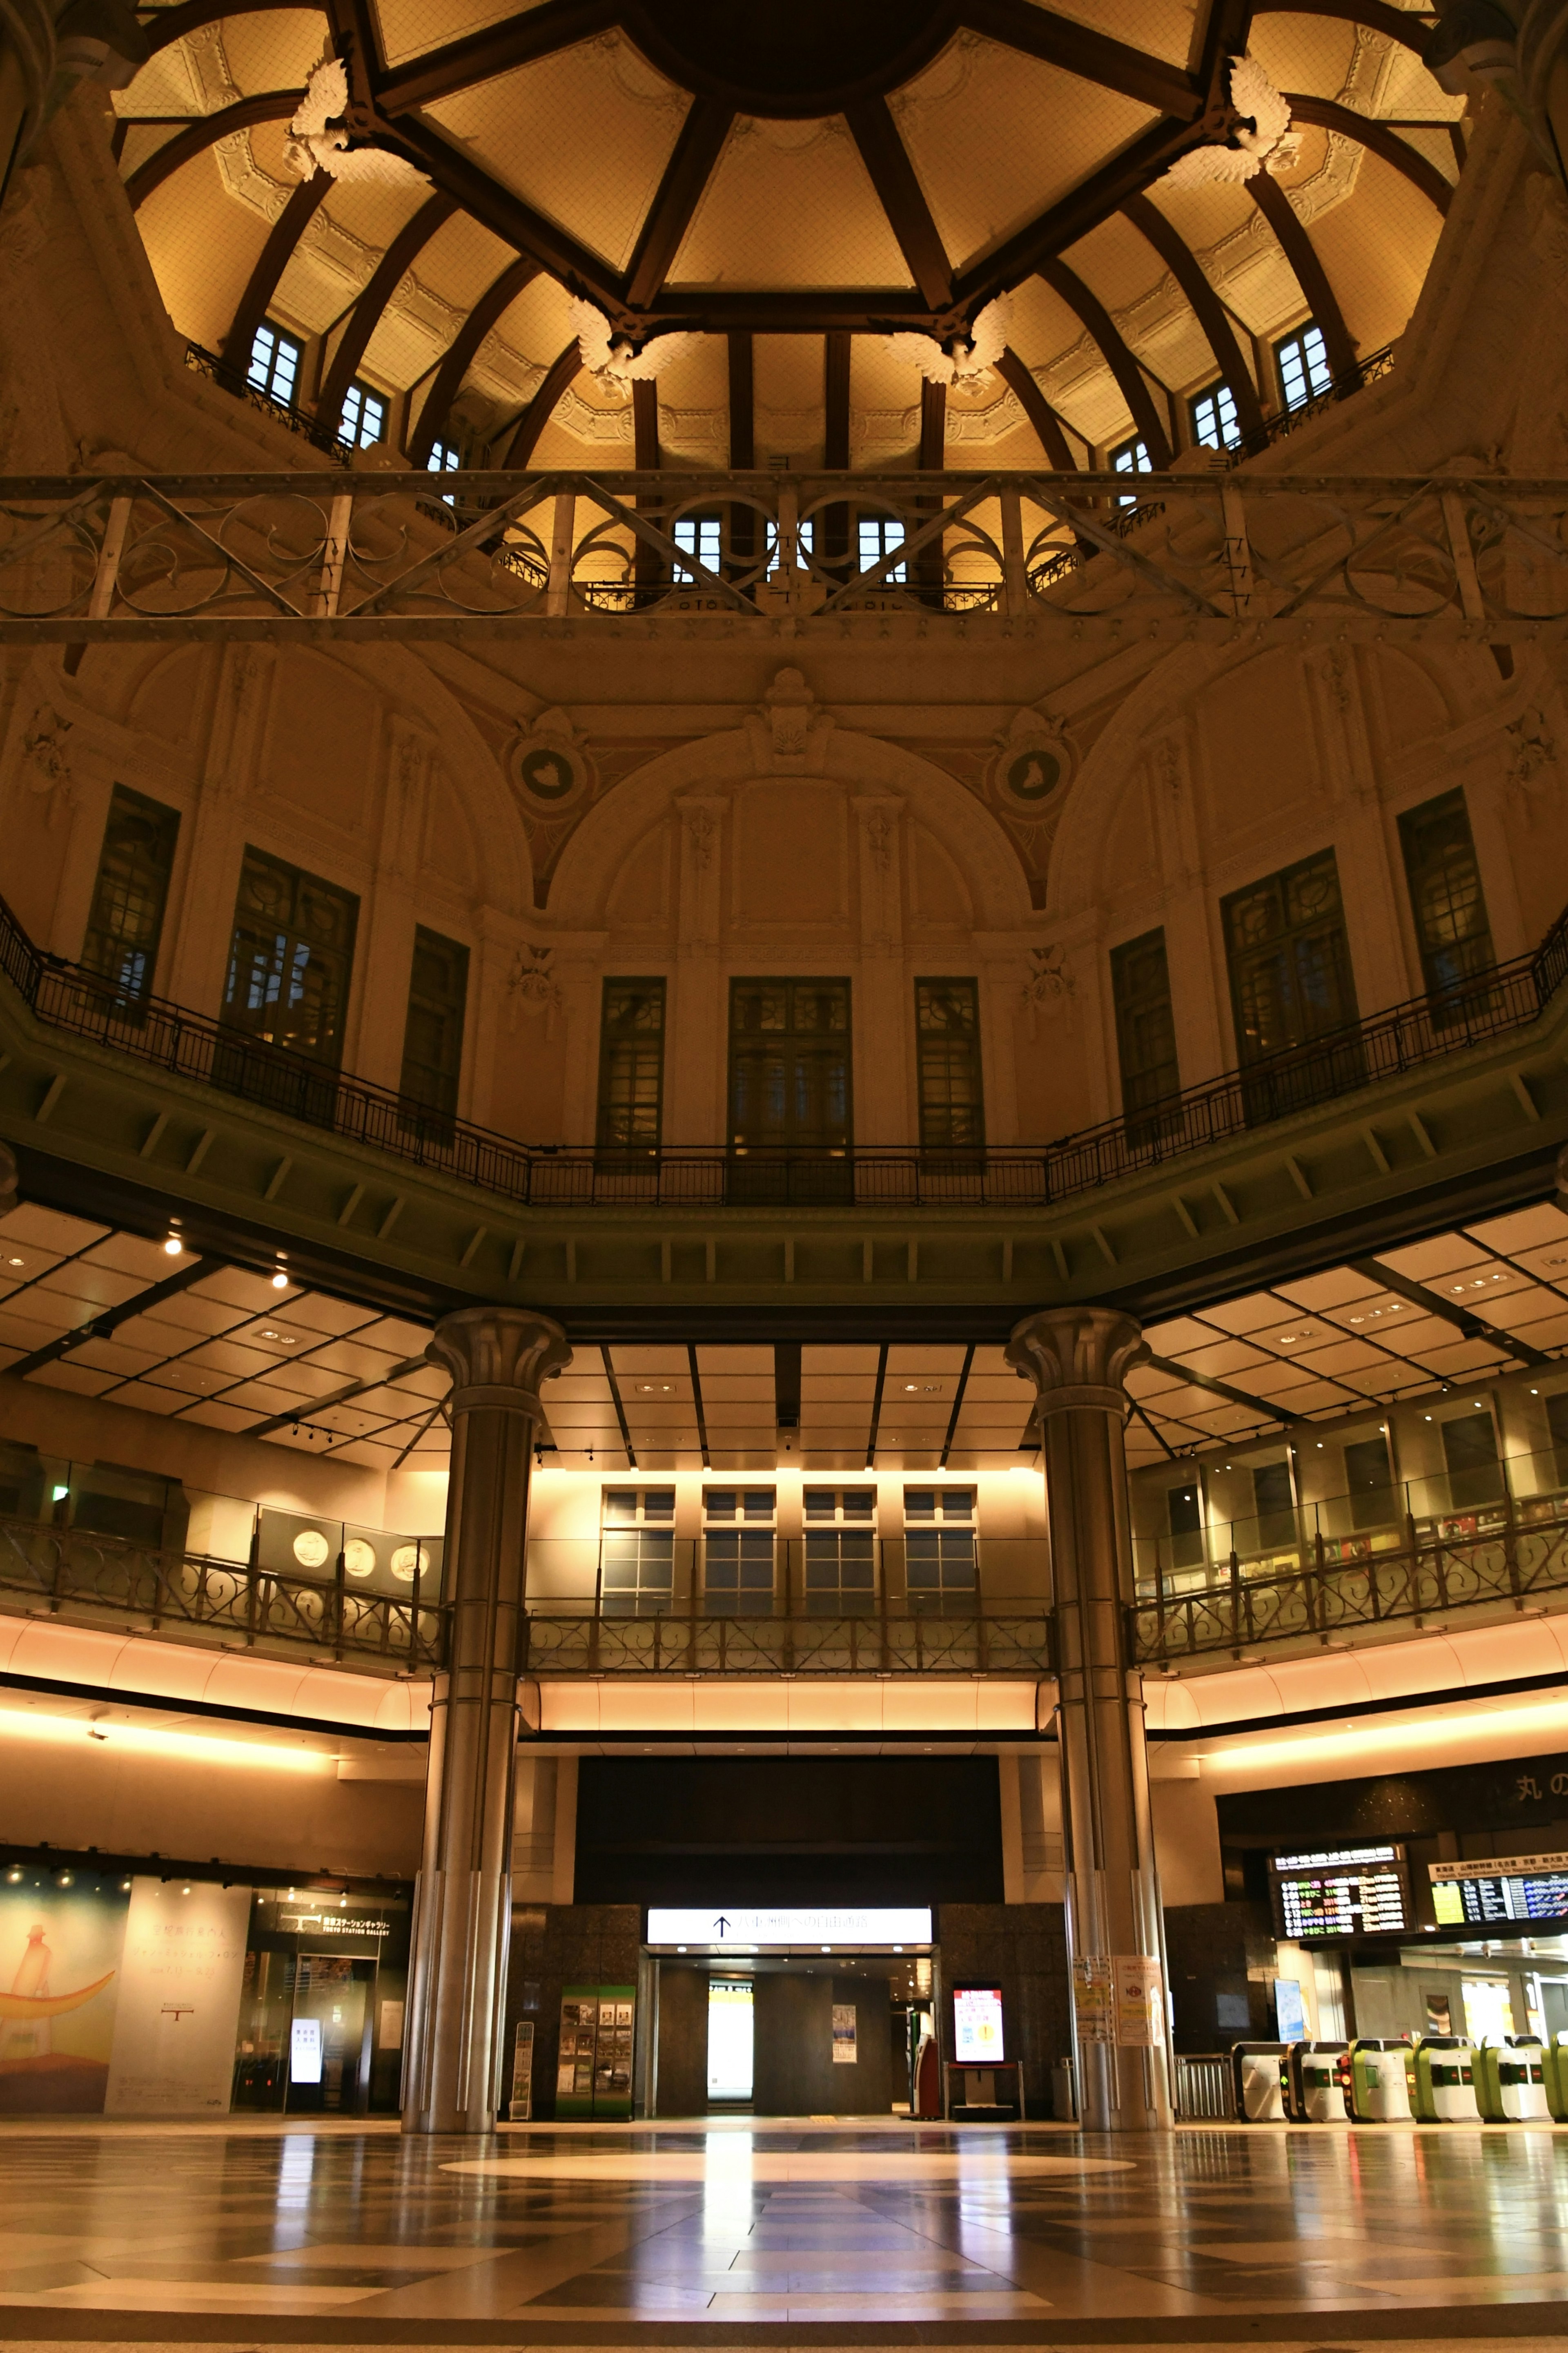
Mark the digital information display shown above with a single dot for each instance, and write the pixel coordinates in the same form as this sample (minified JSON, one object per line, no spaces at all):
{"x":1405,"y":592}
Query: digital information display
{"x":1508,"y":1887}
{"x":977,"y":2025}
{"x":1353,"y":1891}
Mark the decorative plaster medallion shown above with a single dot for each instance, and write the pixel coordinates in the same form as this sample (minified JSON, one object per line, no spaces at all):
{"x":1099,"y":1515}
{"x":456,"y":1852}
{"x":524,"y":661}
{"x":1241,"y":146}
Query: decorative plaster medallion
{"x":547,"y":764}
{"x":789,"y":733}
{"x":1033,"y":761}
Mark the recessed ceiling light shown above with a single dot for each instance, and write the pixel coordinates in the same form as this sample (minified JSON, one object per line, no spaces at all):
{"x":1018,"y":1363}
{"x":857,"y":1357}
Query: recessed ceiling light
{"x":174,"y":1246}
{"x":16,"y":1262}
{"x":279,"y":1281}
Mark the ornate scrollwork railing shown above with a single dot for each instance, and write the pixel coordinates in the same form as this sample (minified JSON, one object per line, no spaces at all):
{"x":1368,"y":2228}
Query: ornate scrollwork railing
{"x":1015,"y":1641}
{"x":1521,"y":1564}
{"x":84,"y":1579}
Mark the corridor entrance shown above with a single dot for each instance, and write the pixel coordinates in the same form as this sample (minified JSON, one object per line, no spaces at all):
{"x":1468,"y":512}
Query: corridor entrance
{"x":775,"y":2013}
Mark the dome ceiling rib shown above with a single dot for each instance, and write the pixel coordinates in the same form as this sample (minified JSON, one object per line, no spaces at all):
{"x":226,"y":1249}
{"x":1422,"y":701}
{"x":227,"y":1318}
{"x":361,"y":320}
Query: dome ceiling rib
{"x":942,"y":297}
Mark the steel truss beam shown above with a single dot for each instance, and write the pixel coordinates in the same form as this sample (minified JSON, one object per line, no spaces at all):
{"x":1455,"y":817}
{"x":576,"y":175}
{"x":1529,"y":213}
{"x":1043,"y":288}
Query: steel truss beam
{"x":1223,"y":556}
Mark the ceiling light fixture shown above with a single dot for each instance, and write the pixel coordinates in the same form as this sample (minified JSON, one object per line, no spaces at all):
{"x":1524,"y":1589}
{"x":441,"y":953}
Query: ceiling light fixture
{"x":174,"y":1246}
{"x":279,"y":1281}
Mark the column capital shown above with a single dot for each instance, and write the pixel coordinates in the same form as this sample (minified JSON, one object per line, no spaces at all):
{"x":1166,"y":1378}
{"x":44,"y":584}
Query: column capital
{"x":498,"y":1356}
{"x":1077,"y":1356}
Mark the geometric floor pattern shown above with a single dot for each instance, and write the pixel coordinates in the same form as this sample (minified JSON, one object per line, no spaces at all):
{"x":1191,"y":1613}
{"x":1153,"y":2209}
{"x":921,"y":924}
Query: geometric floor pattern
{"x":678,"y":2234}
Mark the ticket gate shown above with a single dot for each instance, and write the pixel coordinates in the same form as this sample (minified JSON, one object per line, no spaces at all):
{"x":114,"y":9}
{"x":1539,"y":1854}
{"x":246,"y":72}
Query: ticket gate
{"x":1511,"y":2078}
{"x":1554,"y":2057}
{"x":1257,"y":2074}
{"x":1317,"y":2081}
{"x":1379,"y":2092}
{"x":1444,"y":2080}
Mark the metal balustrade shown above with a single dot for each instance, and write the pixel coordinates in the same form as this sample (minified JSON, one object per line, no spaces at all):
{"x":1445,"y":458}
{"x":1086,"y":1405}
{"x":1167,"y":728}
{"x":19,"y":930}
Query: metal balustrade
{"x":1489,"y":1004}
{"x":1519,"y":1561}
{"x":82,"y":1579}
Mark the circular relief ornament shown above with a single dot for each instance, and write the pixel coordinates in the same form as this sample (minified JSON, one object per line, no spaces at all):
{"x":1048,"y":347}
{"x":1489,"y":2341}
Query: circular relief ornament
{"x":547,"y":763}
{"x":358,"y":1559}
{"x":1033,"y":761}
{"x":406,"y":1563}
{"x":311,"y":1548}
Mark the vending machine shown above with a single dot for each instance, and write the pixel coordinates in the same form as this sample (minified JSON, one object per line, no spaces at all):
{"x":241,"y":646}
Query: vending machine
{"x":1444,"y":2080}
{"x":1317,"y":2082}
{"x":1511,"y":2078}
{"x":1379,"y":2093}
{"x":1256,"y":2070}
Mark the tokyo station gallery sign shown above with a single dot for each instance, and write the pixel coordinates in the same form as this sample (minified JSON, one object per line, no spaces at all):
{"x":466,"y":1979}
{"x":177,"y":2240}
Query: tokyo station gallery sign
{"x":739,"y":1928}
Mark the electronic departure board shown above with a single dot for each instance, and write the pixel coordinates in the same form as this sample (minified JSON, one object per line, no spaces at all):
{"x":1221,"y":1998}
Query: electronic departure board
{"x":1352,"y":1891}
{"x":1508,"y":1887}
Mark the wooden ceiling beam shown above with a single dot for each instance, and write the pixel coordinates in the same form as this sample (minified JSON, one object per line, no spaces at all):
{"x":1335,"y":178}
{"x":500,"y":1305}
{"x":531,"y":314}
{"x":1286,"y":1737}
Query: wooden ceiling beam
{"x":498,"y":209}
{"x":162,"y":26}
{"x":499,"y":48}
{"x":901,"y":198}
{"x":1093,"y":201}
{"x":366,"y":314}
{"x":783,"y":311}
{"x":1310,"y":275}
{"x":1091,"y":55}
{"x":1117,"y":355}
{"x":564,"y":368}
{"x":1378,"y":140}
{"x":645,"y":426}
{"x":835,"y":348}
{"x":275,"y":255}
{"x":497,"y":298}
{"x":269,"y":106}
{"x":687,"y":174}
{"x":1038,"y":410}
{"x":1152,"y":224}
{"x":933,"y":427}
{"x":1412,"y":32}
{"x":742,"y":402}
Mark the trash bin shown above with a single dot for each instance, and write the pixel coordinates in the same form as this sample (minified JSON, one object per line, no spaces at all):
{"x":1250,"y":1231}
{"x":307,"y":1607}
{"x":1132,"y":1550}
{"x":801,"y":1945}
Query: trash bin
{"x":1317,"y":2079}
{"x":1444,"y":2080}
{"x":1379,"y":2092}
{"x":1255,"y":2073}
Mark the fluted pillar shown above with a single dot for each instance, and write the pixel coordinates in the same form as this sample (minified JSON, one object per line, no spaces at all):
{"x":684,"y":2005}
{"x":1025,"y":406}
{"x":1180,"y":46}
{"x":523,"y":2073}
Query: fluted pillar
{"x":1078,"y":1358}
{"x":497,"y":1357}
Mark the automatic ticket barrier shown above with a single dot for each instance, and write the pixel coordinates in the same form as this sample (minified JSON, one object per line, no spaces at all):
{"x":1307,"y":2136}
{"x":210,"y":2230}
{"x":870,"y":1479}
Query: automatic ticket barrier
{"x":1317,"y":2077}
{"x":1257,"y":2076}
{"x":1444,"y":2080}
{"x":1379,"y":2087}
{"x":1511,"y":2078}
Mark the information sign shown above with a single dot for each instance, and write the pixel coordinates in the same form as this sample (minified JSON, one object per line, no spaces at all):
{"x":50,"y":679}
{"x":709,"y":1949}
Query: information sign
{"x":977,"y":2026}
{"x":1506,"y":1887}
{"x":1356,"y":1891}
{"x":742,"y":1927}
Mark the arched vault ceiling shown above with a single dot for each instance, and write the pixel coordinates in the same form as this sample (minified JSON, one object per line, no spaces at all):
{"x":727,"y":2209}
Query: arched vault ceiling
{"x":812,"y":172}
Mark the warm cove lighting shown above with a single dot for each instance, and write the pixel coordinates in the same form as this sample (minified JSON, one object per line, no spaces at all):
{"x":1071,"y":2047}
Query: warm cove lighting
{"x":1367,"y":1740}
{"x":194,"y":1747}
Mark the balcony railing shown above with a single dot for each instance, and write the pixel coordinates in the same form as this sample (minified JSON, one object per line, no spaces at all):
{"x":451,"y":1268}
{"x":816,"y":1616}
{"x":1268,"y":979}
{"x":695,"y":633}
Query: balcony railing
{"x":236,"y":383}
{"x":1291,"y":420}
{"x":1012,"y":1640}
{"x":87,"y":1580}
{"x":1492,"y":1003}
{"x":1501,"y":1559}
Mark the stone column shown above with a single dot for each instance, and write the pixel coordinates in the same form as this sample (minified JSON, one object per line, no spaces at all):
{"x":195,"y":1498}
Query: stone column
{"x":497,"y":1357}
{"x":1078,"y":1358}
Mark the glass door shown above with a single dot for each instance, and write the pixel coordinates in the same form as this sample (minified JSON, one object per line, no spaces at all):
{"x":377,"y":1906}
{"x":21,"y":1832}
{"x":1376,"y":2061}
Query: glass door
{"x":329,"y":2042}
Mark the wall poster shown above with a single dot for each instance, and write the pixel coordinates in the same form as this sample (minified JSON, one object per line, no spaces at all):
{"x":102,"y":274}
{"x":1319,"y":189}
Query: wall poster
{"x":1139,"y":1997}
{"x":60,"y":1950}
{"x":594,"y":2064}
{"x":1092,"y":1998}
{"x":519,"y":2107}
{"x":177,"y":2018}
{"x":845,"y":2048}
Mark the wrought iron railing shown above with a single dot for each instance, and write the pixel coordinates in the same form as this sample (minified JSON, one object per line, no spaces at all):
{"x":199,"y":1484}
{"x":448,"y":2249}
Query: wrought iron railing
{"x":81,"y":1578}
{"x":1013,"y":1641}
{"x":1520,"y":1564}
{"x":1491,"y":1004}
{"x":1343,"y":387}
{"x":235,"y":381}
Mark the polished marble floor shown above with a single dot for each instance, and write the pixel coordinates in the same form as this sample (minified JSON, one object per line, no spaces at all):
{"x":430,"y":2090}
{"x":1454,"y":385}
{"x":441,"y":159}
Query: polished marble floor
{"x":585,"y":2235}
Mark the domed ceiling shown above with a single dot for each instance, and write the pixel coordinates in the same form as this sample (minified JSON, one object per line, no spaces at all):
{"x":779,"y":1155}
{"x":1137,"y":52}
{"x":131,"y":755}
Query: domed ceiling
{"x":789,"y":182}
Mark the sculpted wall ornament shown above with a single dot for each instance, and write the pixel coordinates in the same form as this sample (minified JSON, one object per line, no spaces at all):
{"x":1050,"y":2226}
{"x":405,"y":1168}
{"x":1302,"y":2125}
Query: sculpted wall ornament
{"x":1531,"y":746}
{"x":532,"y":988}
{"x":547,"y":764}
{"x":44,"y":746}
{"x":1034,"y":762}
{"x":789,"y":732}
{"x":1047,"y":982}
